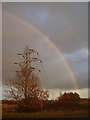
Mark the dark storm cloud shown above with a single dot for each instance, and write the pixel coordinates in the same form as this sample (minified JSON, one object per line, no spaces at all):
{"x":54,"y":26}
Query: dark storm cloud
{"x":65,"y":24}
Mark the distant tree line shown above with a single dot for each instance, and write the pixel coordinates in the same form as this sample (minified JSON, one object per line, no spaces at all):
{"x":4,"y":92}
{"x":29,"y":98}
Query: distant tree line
{"x":66,"y":101}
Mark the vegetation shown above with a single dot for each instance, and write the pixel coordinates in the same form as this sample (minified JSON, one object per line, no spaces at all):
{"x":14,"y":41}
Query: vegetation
{"x":51,"y":108}
{"x":25,"y":94}
{"x":64,"y":102}
{"x":25,"y":86}
{"x":29,"y":100}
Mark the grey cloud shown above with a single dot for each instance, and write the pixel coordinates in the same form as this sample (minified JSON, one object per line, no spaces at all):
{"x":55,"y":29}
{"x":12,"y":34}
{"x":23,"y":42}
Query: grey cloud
{"x":65,"y":24}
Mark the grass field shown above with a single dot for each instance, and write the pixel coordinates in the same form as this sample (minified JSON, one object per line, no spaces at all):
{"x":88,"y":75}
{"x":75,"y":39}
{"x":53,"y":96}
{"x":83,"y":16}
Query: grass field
{"x":9,"y":112}
{"x":45,"y":114}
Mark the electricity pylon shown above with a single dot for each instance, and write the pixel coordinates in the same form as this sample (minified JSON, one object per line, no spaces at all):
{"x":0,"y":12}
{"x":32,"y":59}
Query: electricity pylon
{"x":26,"y":67}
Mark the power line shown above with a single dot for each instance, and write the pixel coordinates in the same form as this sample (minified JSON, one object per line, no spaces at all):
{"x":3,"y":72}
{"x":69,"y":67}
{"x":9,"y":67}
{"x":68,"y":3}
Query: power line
{"x":44,"y":74}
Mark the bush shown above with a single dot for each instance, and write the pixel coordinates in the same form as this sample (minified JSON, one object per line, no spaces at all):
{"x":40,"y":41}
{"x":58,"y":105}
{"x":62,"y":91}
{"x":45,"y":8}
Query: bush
{"x":29,"y":105}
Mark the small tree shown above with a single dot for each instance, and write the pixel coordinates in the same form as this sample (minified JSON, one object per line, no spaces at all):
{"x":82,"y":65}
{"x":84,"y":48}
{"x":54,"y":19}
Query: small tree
{"x":69,"y":100}
{"x":25,"y":87}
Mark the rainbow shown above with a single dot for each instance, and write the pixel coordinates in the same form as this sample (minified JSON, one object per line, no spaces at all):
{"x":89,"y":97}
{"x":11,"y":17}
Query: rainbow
{"x":52,"y":45}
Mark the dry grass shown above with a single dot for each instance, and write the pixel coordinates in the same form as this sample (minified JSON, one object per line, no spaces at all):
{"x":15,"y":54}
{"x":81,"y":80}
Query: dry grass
{"x":7,"y":113}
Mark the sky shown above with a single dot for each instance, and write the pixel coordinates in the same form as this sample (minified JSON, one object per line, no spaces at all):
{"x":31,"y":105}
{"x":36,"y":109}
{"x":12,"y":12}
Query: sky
{"x":56,"y":31}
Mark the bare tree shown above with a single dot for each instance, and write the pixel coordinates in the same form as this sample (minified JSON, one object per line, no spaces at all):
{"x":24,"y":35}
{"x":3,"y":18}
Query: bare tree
{"x":25,"y":87}
{"x":16,"y":88}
